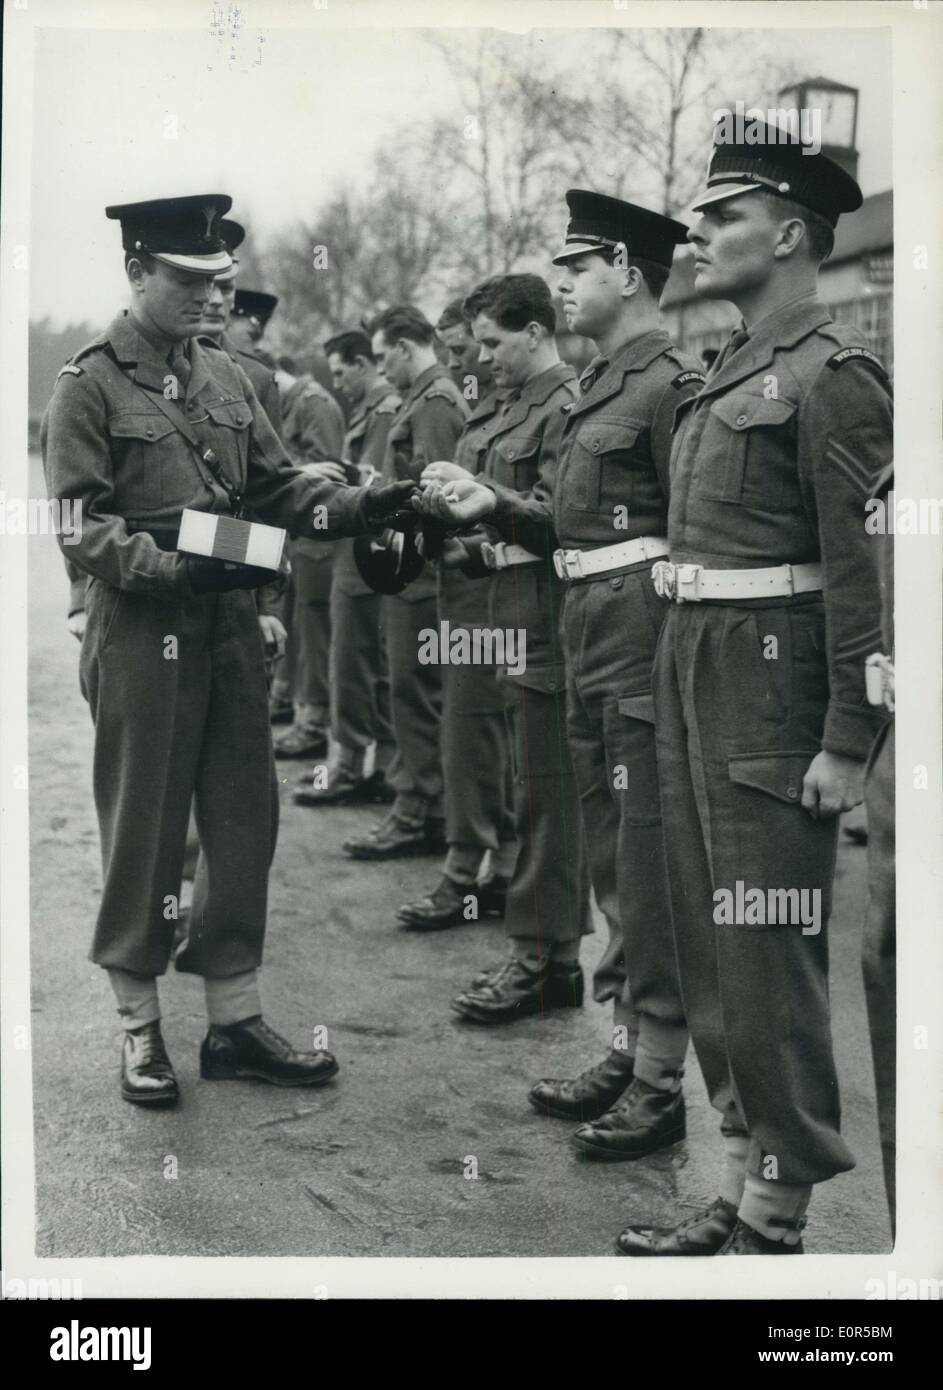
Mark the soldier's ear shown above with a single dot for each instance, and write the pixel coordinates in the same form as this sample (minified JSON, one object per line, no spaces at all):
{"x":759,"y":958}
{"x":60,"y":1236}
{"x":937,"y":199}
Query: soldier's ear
{"x":633,"y":281}
{"x":134,"y":269}
{"x":791,"y":234}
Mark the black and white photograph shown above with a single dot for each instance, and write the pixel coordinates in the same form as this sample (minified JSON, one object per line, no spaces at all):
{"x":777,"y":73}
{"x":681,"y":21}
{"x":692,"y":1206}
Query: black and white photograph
{"x":452,"y":811}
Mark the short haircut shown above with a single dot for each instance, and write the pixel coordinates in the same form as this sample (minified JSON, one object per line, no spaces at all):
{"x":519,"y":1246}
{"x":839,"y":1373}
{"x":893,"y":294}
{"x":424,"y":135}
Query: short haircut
{"x":403,"y":321}
{"x":819,"y":236}
{"x":513,"y":301}
{"x":349,"y":346}
{"x":452,"y":315}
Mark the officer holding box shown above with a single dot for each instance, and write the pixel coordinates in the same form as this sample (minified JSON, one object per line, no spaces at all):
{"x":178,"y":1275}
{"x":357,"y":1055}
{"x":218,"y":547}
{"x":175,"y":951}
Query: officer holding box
{"x":144,"y":423}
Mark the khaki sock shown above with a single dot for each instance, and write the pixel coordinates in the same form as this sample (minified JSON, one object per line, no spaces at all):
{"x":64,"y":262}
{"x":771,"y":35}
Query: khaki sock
{"x":462,"y":863}
{"x":137,"y":998}
{"x":528,"y":948}
{"x":232,"y":998}
{"x":659,"y":1057}
{"x":734,"y":1172}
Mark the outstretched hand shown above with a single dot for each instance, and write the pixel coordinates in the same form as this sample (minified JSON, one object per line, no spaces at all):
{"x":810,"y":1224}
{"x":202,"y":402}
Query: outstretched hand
{"x":460,"y":502}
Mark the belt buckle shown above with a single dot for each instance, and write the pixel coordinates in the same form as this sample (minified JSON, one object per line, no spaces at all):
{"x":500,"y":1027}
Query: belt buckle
{"x":663,"y":577}
{"x":686,"y":577}
{"x":568,"y":564}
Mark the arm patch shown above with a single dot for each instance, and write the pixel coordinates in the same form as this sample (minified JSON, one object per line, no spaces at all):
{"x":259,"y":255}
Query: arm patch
{"x":848,"y":354}
{"x":683,"y":378}
{"x":71,"y":369}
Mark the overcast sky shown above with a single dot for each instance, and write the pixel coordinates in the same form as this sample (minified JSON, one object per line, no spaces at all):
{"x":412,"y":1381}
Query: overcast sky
{"x":277,"y":128}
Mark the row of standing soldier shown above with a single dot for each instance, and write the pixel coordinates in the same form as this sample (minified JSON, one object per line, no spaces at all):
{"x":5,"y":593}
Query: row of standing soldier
{"x":704,"y":730}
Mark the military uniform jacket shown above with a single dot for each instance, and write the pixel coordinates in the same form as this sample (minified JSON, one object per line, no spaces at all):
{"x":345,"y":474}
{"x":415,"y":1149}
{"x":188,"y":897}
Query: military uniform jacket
{"x":772,"y":464}
{"x":425,"y":430}
{"x":465,"y":597}
{"x":607,"y":477}
{"x":262,"y":378}
{"x":365,"y":444}
{"x":312,"y":431}
{"x":115,"y":444}
{"x":519,"y":466}
{"x":612,"y":478}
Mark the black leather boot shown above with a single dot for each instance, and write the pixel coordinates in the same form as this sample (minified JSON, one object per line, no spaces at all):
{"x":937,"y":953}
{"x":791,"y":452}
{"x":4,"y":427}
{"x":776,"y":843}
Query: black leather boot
{"x":521,"y":989}
{"x":588,"y":1095}
{"x":147,"y":1077}
{"x":642,"y":1122}
{"x":251,"y":1050}
{"x":702,"y":1234}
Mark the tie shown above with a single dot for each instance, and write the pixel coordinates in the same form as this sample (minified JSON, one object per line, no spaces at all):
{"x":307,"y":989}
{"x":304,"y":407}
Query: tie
{"x":588,"y":379}
{"x":734,"y":342}
{"x":180,"y":366}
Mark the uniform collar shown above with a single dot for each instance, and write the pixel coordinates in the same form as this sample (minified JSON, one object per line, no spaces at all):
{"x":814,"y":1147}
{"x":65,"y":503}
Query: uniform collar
{"x":425,"y":379}
{"x":539,"y":388}
{"x":151,"y":369}
{"x":534,"y":392}
{"x":487,"y":406}
{"x":633,"y":356}
{"x":783,"y":328}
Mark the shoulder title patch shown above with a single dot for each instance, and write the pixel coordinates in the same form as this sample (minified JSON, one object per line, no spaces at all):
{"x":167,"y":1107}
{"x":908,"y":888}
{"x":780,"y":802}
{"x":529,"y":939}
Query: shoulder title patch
{"x":849,"y":353}
{"x":683,"y":378}
{"x":71,"y":368}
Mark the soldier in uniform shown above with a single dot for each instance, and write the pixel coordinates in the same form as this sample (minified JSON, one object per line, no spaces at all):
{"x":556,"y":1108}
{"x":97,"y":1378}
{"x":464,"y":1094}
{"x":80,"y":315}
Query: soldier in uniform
{"x":143,"y":423}
{"x":425,"y":429}
{"x":313,"y":434}
{"x":609,"y":508}
{"x":359,"y":681}
{"x":472,"y":376}
{"x":217,"y":322}
{"x":762,"y":720}
{"x":251,"y":312}
{"x":547,"y":912}
{"x":473,"y":735}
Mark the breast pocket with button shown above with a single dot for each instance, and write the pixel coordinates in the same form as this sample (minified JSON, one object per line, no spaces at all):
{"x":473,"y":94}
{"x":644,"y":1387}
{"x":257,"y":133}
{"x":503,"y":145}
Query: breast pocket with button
{"x":230,"y":428}
{"x":143,"y":452}
{"x":516,"y":461}
{"x":606,"y":464}
{"x":748,"y":453}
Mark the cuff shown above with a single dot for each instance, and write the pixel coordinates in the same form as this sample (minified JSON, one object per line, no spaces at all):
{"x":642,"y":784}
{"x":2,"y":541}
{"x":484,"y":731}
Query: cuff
{"x":851,"y":729}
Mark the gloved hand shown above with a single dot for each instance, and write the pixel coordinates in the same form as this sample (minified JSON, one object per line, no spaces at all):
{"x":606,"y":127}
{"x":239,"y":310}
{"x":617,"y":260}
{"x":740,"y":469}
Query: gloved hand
{"x":211,"y":576}
{"x":380,"y":503}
